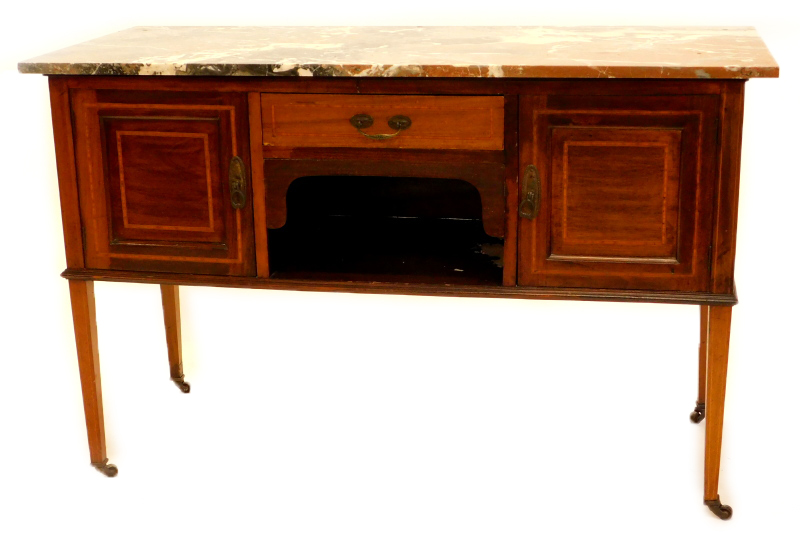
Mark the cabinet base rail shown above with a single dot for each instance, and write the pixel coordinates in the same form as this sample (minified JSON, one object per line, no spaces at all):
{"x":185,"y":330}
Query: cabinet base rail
{"x":411,"y":289}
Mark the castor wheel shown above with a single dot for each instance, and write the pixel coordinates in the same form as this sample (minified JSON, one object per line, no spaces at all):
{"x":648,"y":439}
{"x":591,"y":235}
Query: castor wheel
{"x":182,"y":384}
{"x":699,"y":413}
{"x":107,"y":469}
{"x":722,"y":511}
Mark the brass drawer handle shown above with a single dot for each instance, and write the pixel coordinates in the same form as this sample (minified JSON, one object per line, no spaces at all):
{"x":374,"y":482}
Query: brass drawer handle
{"x":362,"y":121}
{"x":532,"y":190}
{"x":237,"y":180}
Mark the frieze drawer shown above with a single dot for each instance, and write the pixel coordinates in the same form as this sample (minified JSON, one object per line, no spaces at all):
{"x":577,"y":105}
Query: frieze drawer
{"x":383,"y":121}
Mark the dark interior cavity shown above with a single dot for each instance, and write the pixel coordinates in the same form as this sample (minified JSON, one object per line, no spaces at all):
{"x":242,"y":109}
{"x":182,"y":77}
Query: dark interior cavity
{"x":424,"y":230}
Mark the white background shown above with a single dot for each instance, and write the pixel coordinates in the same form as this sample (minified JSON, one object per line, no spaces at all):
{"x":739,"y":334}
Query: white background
{"x":334,"y":419}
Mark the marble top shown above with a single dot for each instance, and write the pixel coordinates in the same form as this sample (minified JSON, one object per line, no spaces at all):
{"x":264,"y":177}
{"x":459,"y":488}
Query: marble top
{"x":474,"y":52}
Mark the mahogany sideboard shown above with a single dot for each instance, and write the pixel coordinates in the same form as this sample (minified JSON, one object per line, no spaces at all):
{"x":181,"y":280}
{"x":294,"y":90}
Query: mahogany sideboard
{"x":513,"y":162}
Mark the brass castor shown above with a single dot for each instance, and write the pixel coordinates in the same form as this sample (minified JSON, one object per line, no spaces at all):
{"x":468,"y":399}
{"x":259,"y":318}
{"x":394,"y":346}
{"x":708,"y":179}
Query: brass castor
{"x":182,"y":384}
{"x":107,"y":469}
{"x":699,"y":413}
{"x":722,"y":511}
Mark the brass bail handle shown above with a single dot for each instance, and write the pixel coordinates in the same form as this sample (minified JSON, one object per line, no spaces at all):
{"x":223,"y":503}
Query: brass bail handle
{"x":237,"y":181}
{"x":532,"y":192}
{"x":362,"y":121}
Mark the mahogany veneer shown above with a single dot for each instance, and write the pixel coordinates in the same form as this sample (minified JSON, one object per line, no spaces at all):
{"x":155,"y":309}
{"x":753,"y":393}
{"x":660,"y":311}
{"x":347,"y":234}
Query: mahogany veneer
{"x":603,"y":189}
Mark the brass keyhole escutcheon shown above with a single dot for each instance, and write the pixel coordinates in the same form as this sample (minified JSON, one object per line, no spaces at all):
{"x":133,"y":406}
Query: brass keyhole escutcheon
{"x":532,"y":192}
{"x":237,"y":181}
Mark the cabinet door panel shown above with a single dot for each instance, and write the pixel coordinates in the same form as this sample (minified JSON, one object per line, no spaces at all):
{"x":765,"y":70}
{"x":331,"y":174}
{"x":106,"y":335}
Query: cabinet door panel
{"x":154,"y":185}
{"x":626,"y":187}
{"x":163,"y":179}
{"x":615,"y":193}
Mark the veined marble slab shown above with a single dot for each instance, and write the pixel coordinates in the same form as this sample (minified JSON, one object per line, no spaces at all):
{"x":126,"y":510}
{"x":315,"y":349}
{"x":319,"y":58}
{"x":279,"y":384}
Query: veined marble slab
{"x":463,"y":52}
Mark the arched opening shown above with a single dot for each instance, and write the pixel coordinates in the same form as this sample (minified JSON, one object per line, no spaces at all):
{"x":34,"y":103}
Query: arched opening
{"x":375,"y":228}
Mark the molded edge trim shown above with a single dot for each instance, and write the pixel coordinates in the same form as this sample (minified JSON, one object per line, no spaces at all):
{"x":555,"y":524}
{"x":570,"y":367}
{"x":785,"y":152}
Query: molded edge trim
{"x":413,"y":289}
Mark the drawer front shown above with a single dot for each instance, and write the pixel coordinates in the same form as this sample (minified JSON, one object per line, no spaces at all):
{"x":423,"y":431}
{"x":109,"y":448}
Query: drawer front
{"x":154,"y":183}
{"x":436,"y":122}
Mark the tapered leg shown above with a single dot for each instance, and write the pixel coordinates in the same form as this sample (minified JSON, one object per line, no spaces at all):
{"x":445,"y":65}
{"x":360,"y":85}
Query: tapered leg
{"x":170,"y":300}
{"x":719,"y":329}
{"x":83,"y":318}
{"x":700,"y":408}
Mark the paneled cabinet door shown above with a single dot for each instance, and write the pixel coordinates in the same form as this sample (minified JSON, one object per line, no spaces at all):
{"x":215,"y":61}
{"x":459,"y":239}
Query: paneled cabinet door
{"x":153,"y":174}
{"x":620,"y":189}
